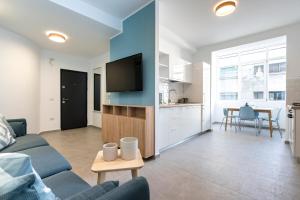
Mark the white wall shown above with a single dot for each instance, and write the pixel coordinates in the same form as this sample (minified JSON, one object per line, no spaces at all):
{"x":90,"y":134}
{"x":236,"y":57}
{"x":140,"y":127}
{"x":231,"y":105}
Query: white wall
{"x":50,"y":85}
{"x":30,"y":82}
{"x":19,"y":79}
{"x":173,"y":48}
{"x":171,"y":43}
{"x":97,"y":66}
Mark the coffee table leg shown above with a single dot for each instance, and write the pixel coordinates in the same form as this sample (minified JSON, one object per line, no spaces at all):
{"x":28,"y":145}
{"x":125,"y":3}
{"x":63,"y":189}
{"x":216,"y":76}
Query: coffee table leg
{"x":134,"y":173}
{"x":101,"y":177}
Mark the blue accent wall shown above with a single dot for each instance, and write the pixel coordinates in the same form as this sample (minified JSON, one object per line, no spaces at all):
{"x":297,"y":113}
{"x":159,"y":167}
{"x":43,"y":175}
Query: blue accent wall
{"x":138,"y":36}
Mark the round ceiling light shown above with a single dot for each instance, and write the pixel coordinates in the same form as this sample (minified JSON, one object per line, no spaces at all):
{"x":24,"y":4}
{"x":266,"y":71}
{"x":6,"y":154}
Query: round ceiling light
{"x":56,"y":36}
{"x":224,"y":8}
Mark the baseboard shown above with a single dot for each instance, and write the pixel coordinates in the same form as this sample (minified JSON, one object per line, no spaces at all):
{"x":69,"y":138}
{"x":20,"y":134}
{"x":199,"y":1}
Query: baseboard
{"x":183,"y":141}
{"x":61,"y":130}
{"x":50,"y":131}
{"x":94,"y":126}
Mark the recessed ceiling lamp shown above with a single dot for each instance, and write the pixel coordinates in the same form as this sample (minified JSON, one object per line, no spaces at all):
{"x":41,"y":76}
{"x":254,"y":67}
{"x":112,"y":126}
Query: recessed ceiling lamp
{"x":226,"y":7}
{"x":56,"y":36}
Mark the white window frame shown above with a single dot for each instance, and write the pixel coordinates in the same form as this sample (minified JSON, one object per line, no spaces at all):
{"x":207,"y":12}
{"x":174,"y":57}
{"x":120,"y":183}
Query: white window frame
{"x":266,"y":61}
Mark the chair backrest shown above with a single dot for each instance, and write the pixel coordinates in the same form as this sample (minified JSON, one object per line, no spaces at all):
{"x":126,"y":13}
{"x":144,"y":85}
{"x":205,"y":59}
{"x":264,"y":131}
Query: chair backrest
{"x":225,"y":112}
{"x":276,"y":113}
{"x":247,"y":113}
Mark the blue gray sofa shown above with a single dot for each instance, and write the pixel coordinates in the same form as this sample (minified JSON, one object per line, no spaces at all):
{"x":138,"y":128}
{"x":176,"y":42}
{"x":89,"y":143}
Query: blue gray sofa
{"x":56,"y":173}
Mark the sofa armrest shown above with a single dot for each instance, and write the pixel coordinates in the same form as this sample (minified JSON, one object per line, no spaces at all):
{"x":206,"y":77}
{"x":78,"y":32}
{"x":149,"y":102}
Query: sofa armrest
{"x":95,"y":192}
{"x":19,"y":126}
{"x":136,"y":189}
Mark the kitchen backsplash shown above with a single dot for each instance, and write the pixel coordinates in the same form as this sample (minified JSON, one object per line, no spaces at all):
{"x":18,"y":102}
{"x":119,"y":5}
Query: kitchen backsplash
{"x":174,"y":89}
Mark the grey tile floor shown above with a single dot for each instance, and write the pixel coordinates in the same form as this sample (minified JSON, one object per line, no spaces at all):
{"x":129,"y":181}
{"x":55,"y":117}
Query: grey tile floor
{"x":217,"y":165}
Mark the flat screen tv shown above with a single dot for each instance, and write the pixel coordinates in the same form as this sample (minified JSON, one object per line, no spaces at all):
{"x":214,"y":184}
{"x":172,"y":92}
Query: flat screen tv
{"x":125,"y":74}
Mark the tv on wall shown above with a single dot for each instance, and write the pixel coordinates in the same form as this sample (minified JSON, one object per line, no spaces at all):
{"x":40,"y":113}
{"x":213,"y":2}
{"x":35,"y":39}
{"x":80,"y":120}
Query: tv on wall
{"x":125,"y":74}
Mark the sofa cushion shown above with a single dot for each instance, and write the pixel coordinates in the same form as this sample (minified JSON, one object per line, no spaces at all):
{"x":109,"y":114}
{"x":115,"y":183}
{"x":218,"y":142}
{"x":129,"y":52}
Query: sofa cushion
{"x":26,"y":142}
{"x":47,"y":161}
{"x":19,"y":126}
{"x":6,"y":137}
{"x":19,"y":181}
{"x":11,"y":130}
{"x":96,"y":191}
{"x":66,"y":184}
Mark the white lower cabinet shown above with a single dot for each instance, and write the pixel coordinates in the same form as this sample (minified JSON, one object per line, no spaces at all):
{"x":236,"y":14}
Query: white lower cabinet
{"x":178,"y":123}
{"x":163,"y":129}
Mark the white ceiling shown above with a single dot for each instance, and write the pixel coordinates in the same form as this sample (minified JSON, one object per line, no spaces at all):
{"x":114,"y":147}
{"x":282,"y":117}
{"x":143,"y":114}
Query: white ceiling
{"x":195,"y":22}
{"x":89,"y":28}
{"x":90,"y":23}
{"x":118,"y":8}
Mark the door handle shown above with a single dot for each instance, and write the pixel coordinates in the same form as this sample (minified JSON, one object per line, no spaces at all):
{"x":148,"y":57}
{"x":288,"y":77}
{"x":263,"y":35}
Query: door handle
{"x":64,"y":100}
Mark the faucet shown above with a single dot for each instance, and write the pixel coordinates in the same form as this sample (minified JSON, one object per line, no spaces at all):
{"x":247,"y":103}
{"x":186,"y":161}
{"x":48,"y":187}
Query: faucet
{"x":170,"y":91}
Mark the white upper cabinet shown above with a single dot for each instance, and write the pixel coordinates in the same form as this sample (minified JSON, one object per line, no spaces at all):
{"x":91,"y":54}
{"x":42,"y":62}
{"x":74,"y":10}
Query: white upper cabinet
{"x":164,"y":66}
{"x":188,"y":73}
{"x":179,"y":69}
{"x":178,"y":57}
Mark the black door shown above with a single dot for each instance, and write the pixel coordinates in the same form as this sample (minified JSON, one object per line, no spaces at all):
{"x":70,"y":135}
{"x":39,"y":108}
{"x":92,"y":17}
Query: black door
{"x":73,"y":94}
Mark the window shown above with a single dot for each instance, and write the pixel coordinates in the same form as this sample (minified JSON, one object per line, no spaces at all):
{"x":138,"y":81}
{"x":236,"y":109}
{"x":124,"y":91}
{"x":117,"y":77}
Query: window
{"x":258,"y":70}
{"x":254,"y":73}
{"x":258,"y":95}
{"x":230,"y":72}
{"x":228,"y":95}
{"x":97,"y":92}
{"x":277,"y":67}
{"x":277,"y":95}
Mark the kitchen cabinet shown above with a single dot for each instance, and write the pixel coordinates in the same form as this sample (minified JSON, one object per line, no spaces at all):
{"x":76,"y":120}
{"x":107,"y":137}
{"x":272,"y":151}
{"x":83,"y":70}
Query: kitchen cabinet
{"x":164,"y":66}
{"x":174,"y":68}
{"x":206,"y":110}
{"x":180,"y":69}
{"x":177,"y":123}
{"x":120,"y":121}
{"x":164,"y":129}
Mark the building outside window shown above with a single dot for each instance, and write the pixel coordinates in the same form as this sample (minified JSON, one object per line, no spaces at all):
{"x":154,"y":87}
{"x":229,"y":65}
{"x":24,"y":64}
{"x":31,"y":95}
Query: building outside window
{"x":277,"y":67}
{"x":258,"y":70}
{"x":258,"y":95}
{"x":277,"y":95}
{"x":228,"y":95}
{"x":252,"y":79}
{"x":229,"y":72}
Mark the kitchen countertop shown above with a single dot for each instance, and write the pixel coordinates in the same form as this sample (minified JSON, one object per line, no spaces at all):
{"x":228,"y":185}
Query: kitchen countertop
{"x":179,"y":105}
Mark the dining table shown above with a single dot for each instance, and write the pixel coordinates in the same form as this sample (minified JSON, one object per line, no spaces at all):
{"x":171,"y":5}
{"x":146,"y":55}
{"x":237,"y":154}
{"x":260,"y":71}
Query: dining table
{"x":256,"y":109}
